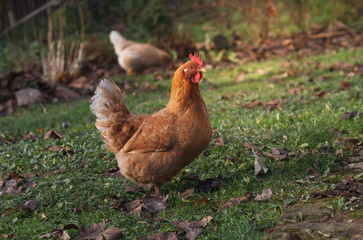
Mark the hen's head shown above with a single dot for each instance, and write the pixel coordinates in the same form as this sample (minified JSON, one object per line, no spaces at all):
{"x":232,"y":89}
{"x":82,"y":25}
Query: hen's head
{"x":194,"y":69}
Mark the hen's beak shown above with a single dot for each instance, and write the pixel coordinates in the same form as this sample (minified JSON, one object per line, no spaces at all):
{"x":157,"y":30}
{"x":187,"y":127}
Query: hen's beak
{"x":202,"y":70}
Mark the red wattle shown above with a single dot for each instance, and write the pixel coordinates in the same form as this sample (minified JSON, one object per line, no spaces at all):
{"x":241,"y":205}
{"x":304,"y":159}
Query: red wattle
{"x":196,"y":78}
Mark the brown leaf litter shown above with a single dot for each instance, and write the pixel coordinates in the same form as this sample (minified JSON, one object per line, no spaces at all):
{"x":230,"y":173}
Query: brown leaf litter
{"x":280,"y":153}
{"x":161,"y":236}
{"x":350,"y":115}
{"x":29,"y":205}
{"x":232,"y":202}
{"x":265,"y":195}
{"x":269,"y":105}
{"x":187,"y":194}
{"x":10,"y":183}
{"x":96,"y":231}
{"x":60,"y":233}
{"x":152,"y":204}
{"x":219,"y":142}
{"x":192,"y":228}
{"x":53,"y":134}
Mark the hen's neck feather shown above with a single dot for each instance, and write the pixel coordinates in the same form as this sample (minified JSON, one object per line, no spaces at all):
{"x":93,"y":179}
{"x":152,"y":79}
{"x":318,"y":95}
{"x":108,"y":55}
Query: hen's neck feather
{"x":183,"y":93}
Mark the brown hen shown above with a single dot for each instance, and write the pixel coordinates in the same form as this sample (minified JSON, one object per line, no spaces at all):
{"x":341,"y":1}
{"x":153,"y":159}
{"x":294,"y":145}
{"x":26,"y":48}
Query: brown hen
{"x":152,"y":148}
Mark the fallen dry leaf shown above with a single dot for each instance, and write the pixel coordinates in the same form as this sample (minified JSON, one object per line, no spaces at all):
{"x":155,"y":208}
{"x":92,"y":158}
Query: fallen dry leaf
{"x":7,"y":236}
{"x":345,"y":84}
{"x":201,"y":201}
{"x":29,"y":136}
{"x":347,"y":140}
{"x":273,"y":104}
{"x":154,"y":87}
{"x":311,"y":173}
{"x":29,"y":205}
{"x":228,"y":96}
{"x":55,"y":148}
{"x":137,"y":211}
{"x":192,"y":176}
{"x":320,"y":94}
{"x":254,"y":103}
{"x":339,"y":153}
{"x":80,"y":208}
{"x":270,"y":105}
{"x":60,"y":233}
{"x":278,"y":153}
{"x":232,"y":159}
{"x":250,"y":146}
{"x":240,"y":77}
{"x":94,"y":231}
{"x":8,"y":212}
{"x":119,"y":205}
{"x":296,"y":90}
{"x":260,"y":165}
{"x":192,"y":228}
{"x":153,"y":204}
{"x":161,"y":236}
{"x":193,"y":233}
{"x":13,"y":191}
{"x":40,"y":130}
{"x":9,"y":183}
{"x":338,"y":131}
{"x":111,"y":233}
{"x":350,"y":75}
{"x":265,"y":195}
{"x":219,"y":142}
{"x":53,"y":134}
{"x":187,"y":194}
{"x":350,"y":115}
{"x":209,"y":184}
{"x":281,"y":152}
{"x":233,"y":202}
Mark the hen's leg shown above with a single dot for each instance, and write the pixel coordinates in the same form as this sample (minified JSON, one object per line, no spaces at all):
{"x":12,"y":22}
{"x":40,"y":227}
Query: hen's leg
{"x":157,"y":190}
{"x":129,"y":72}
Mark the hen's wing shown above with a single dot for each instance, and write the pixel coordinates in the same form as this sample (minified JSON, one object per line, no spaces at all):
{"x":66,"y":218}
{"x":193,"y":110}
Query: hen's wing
{"x":121,"y":130}
{"x":156,"y":134}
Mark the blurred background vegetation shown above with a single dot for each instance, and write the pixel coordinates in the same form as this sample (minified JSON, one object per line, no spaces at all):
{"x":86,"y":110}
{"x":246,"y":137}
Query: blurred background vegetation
{"x":67,"y":32}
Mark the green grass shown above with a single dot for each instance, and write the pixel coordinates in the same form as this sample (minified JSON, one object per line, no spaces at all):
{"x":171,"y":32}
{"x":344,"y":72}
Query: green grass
{"x":304,"y":125}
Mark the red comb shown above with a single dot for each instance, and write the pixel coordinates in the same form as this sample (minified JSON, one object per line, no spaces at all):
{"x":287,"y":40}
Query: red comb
{"x":196,"y":58}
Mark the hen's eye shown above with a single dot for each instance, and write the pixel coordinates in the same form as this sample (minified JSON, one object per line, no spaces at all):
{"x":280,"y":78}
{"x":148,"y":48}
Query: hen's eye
{"x":191,"y":67}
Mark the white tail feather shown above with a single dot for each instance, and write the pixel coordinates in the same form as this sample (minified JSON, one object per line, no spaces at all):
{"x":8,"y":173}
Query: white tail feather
{"x":115,"y":37}
{"x":106,"y":95}
{"x":101,"y":99}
